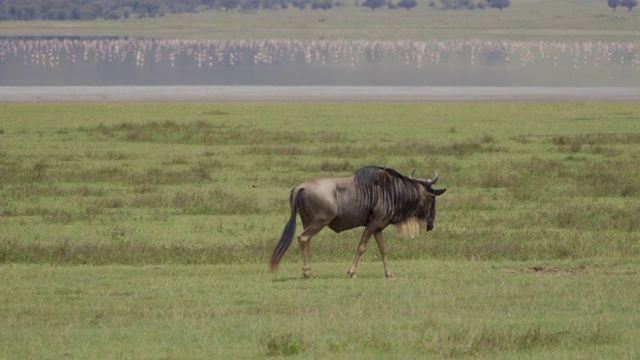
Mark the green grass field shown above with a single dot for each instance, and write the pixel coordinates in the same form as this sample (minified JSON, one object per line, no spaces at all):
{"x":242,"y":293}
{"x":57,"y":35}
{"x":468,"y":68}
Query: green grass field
{"x":145,"y":230}
{"x":434,"y":309}
{"x":549,"y":20}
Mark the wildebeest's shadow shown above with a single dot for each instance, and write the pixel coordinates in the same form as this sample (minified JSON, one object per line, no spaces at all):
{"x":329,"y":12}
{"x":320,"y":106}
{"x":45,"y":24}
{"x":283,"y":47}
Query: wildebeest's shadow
{"x":330,"y":276}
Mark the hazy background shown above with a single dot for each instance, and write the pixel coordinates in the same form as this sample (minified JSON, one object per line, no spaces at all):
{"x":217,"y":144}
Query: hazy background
{"x":109,"y":61}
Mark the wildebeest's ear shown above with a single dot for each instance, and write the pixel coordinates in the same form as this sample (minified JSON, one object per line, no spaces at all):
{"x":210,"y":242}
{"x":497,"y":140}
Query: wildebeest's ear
{"x":436,"y":192}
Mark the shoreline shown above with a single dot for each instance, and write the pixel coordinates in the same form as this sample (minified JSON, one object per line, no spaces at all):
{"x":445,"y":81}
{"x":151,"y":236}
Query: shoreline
{"x":136,"y":94}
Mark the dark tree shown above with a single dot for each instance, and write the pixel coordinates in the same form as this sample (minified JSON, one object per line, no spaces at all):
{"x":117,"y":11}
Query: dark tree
{"x":300,"y":4}
{"x":613,"y":4}
{"x":324,"y":5}
{"x":373,"y":4}
{"x":465,"y":4}
{"x":499,"y":4}
{"x":629,"y":4}
{"x":407,"y":4}
{"x":229,"y":4}
{"x":447,"y":4}
{"x":150,"y":7}
{"x":249,"y":5}
{"x":457,"y":4}
{"x":75,"y":13}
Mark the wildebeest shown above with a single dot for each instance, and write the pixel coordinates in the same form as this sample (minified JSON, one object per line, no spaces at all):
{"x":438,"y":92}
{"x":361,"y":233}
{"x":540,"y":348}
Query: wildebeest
{"x":373,"y":197}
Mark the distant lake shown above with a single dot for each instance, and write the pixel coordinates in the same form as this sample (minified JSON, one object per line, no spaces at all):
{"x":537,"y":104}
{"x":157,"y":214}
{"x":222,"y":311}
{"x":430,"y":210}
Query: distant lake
{"x":79,"y":61}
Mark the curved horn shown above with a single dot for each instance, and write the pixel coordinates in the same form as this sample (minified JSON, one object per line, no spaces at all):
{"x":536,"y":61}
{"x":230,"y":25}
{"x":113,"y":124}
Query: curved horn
{"x":412,"y":172}
{"x":430,"y":182}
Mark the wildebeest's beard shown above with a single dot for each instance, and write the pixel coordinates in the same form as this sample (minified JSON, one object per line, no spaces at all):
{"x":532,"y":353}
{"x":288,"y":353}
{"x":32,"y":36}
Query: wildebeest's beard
{"x":420,"y":221}
{"x":411,"y":227}
{"x":424,"y":216}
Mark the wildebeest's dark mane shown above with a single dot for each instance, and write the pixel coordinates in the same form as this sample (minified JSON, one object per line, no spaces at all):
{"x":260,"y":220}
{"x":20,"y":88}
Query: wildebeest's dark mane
{"x":396,"y":174}
{"x":368,"y":173}
{"x":400,"y":195}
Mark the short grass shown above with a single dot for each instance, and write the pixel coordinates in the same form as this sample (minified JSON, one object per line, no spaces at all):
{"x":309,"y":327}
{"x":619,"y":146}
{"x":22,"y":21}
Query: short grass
{"x":144,"y":231}
{"x":550,"y":20}
{"x":436,"y":309}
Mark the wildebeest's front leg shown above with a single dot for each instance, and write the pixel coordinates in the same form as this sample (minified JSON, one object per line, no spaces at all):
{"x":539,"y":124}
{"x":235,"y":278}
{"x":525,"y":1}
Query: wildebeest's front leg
{"x":366,"y":235}
{"x":383,"y":252}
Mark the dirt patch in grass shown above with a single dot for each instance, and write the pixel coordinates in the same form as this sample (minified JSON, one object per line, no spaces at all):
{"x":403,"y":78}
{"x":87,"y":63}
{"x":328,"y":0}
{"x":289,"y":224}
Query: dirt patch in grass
{"x":551,"y":270}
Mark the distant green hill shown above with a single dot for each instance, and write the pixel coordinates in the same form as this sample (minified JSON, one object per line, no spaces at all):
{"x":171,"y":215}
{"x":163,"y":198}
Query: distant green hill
{"x":124,"y":9}
{"x":548,"y":20}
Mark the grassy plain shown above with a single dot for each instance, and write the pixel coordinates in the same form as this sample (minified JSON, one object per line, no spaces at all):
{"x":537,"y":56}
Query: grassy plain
{"x":435,"y":309}
{"x":550,"y":20}
{"x":534,"y":252}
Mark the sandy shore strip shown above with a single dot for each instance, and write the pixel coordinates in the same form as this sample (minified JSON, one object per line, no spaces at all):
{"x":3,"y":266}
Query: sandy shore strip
{"x":9,"y":94}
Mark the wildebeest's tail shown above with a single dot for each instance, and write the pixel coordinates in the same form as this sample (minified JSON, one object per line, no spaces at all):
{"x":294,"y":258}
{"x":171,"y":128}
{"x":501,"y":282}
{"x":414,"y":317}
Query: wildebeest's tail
{"x":289,"y":231}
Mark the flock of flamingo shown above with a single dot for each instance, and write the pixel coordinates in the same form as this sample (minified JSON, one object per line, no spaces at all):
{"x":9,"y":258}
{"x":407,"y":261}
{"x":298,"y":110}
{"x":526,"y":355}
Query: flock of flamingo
{"x":50,"y":52}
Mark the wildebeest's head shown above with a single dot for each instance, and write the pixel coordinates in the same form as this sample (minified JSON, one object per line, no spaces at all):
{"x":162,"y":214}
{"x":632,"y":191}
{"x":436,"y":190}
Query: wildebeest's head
{"x":430,"y":198}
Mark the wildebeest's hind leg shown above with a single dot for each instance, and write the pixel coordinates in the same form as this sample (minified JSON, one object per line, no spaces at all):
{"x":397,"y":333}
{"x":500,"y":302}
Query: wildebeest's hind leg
{"x":364,"y":239}
{"x":383,"y":252}
{"x":304,"y":238}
